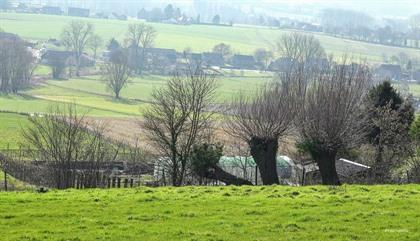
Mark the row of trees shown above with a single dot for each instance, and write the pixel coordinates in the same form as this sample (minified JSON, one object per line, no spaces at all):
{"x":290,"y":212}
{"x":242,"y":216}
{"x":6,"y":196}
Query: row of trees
{"x":17,"y":64}
{"x":360,"y":26}
{"x":329,"y":109}
{"x":124,"y":61}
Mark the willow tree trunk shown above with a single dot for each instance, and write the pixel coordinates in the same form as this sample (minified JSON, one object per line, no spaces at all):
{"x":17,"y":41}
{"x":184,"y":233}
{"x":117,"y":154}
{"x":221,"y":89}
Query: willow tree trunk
{"x":326,"y":164}
{"x":264,"y":152}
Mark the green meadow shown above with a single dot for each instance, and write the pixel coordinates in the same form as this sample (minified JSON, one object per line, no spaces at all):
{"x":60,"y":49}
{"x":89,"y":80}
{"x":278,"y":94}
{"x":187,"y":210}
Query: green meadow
{"x":380,"y":213}
{"x":243,"y":39}
{"x":91,"y":94}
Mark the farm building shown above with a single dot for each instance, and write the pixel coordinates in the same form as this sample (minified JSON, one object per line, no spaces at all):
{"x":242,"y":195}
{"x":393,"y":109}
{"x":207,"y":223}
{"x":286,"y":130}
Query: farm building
{"x":243,"y":61}
{"x":51,"y":10}
{"x":389,"y":71}
{"x":416,"y":75}
{"x":213,"y":59}
{"x":281,"y":64}
{"x":78,"y":12}
{"x":52,"y":56}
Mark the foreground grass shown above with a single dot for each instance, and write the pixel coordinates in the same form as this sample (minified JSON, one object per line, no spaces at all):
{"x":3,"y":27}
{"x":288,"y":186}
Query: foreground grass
{"x":215,"y":213}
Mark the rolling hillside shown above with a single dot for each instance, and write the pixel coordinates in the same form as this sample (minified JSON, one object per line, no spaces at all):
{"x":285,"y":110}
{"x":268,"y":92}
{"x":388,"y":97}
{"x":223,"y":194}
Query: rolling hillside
{"x":244,"y":39}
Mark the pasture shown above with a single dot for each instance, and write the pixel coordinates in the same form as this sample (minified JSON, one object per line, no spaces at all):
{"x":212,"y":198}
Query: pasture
{"x":215,"y":213}
{"x":200,"y":38}
{"x":94,"y":100}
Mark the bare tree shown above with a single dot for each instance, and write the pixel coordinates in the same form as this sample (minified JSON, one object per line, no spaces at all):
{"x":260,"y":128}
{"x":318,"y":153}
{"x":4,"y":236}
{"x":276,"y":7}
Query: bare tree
{"x":16,"y":64}
{"x":179,"y":118}
{"x":75,"y":37}
{"x":264,"y":119}
{"x":300,"y":47}
{"x":96,"y":42}
{"x":224,"y":49}
{"x":331,"y":119}
{"x":139,"y":38}
{"x":117,"y":72}
{"x":67,"y":143}
{"x":263,"y":57}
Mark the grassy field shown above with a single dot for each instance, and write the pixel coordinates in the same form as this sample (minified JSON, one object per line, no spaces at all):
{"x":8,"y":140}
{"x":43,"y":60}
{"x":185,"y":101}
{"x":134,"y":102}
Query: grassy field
{"x":91,"y":94}
{"x":380,"y":213}
{"x":92,"y":98}
{"x":14,"y":184}
{"x":10,"y":130}
{"x":244,"y":39}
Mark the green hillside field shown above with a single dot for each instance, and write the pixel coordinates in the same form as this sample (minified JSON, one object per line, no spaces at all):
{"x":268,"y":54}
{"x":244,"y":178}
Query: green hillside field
{"x":243,"y":39}
{"x":364,"y":213}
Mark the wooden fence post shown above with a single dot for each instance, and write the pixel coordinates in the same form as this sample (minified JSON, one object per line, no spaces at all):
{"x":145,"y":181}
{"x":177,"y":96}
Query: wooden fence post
{"x":5,"y":180}
{"x":131,"y":182}
{"x":109,"y":182}
{"x":118,"y":182}
{"x":125,"y":182}
{"x":113,"y":182}
{"x":256,"y":175}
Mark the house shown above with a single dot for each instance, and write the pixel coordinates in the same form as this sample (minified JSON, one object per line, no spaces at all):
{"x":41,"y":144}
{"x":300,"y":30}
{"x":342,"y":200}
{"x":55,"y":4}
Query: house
{"x":118,"y":16}
{"x":51,"y":10}
{"x":281,"y":65}
{"x":195,"y":57}
{"x":243,"y":61}
{"x":213,"y":59}
{"x":9,"y":36}
{"x":160,"y":60}
{"x":389,"y":71}
{"x":158,"y":53}
{"x":416,"y":75}
{"x":78,"y":12}
{"x":53,"y":57}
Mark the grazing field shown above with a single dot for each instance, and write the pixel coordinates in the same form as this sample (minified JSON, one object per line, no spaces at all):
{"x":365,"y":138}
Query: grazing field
{"x":381,"y":213}
{"x":10,"y":130}
{"x":92,"y":99}
{"x":13,"y":184}
{"x":90,"y":93}
{"x":244,"y":39}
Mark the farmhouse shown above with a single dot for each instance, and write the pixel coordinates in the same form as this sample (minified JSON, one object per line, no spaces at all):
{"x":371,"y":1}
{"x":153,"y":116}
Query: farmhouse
{"x":9,"y":36}
{"x":78,"y":12}
{"x":51,"y":10}
{"x":389,"y":71}
{"x":118,"y":16}
{"x":281,"y":64}
{"x":243,"y":61}
{"x":213,"y":59}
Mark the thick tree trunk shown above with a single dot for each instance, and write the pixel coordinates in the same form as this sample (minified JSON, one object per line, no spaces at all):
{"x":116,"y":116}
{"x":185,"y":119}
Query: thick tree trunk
{"x":380,"y":169}
{"x":326,"y":164}
{"x":264,"y":152}
{"x":218,"y":173}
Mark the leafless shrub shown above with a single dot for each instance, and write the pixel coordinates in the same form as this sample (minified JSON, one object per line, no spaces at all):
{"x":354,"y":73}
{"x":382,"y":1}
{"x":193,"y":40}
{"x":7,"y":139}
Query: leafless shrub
{"x":116,"y":72}
{"x":68,"y":144}
{"x":180,"y":117}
